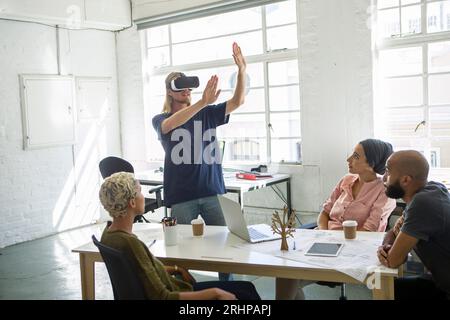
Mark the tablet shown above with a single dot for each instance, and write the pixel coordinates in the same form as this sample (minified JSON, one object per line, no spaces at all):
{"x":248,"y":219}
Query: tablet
{"x":324,"y":249}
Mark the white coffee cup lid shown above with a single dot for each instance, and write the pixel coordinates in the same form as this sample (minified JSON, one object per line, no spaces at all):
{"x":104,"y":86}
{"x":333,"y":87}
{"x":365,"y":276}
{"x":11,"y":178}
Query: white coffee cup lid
{"x":199,"y":220}
{"x":350,"y":223}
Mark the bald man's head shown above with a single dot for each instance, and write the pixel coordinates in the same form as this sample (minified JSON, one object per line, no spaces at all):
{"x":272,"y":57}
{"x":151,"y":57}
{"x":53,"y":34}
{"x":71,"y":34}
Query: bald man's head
{"x":409,"y":163}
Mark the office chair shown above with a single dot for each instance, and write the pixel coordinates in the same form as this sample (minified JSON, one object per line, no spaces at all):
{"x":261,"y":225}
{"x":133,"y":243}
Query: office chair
{"x":110,"y":165}
{"x":125,"y":281}
{"x":343,"y":295}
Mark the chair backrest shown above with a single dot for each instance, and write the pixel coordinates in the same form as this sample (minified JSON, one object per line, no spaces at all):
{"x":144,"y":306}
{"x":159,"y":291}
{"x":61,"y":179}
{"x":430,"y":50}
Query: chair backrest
{"x":110,"y":165}
{"x":124,"y":279}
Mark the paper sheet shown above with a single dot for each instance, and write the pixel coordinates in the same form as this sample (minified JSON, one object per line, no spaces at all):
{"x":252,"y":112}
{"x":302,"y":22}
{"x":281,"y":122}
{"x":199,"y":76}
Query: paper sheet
{"x":357,"y":258}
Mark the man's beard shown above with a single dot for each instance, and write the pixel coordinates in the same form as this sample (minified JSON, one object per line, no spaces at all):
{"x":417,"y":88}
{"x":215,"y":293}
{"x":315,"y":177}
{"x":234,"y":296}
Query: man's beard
{"x":395,"y":191}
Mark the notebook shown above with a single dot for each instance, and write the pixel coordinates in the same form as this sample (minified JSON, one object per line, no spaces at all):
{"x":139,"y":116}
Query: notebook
{"x":238,"y":226}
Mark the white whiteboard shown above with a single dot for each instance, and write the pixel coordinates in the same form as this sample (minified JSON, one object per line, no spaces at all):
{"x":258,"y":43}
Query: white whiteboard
{"x":93,"y":97}
{"x":47,"y":110}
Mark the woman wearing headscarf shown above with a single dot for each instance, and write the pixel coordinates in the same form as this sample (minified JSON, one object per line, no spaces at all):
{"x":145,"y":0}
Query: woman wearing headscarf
{"x":359,"y":195}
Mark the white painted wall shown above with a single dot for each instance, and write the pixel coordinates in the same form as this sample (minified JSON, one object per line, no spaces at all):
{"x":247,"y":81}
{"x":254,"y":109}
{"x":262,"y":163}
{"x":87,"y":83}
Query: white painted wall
{"x":48,"y":190}
{"x":75,"y":14}
{"x":336,"y":97}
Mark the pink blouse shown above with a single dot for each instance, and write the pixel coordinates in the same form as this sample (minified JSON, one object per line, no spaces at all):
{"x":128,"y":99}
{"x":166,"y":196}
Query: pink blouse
{"x":371,"y":208}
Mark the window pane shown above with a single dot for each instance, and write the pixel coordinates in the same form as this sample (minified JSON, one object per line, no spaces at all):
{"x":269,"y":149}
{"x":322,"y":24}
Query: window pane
{"x":438,"y":16}
{"x":254,"y":102}
{"x":440,"y":122}
{"x":405,"y":2}
{"x":389,"y":23}
{"x":243,"y":125}
{"x":157,"y":36}
{"x":400,"y":62}
{"x":285,"y":124}
{"x":438,"y":86}
{"x":440,"y":155}
{"x":285,"y":72}
{"x":387,"y":3}
{"x":249,"y":150}
{"x":411,"y":20}
{"x":158,"y":57}
{"x":402,"y":92}
{"x":403,"y":122}
{"x":227,"y":76}
{"x":439,"y":57}
{"x":281,"y":13}
{"x":217,"y":25}
{"x":214,"y":49}
{"x":284,"y":98}
{"x":245,"y":136}
{"x":282,"y":38}
{"x":286,"y":150}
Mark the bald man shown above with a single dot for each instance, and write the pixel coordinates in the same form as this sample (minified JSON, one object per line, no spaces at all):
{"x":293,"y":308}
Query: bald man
{"x":424,"y":227}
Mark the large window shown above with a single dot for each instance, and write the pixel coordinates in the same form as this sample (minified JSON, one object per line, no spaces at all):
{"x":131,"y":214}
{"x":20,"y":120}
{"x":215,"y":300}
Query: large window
{"x":413,"y":67}
{"x":267,"y":127}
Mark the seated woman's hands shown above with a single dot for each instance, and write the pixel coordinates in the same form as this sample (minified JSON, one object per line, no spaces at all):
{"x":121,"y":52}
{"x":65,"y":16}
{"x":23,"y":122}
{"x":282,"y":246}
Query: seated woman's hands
{"x":224,"y":295}
{"x":185,"y":275}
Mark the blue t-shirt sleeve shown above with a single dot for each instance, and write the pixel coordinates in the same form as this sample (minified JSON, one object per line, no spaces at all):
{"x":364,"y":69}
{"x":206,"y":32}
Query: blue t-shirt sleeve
{"x":157,"y":122}
{"x":422,"y":219}
{"x":216,"y":114}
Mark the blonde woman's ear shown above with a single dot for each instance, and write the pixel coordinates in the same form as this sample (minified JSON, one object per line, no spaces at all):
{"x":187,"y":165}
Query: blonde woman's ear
{"x":132,"y":203}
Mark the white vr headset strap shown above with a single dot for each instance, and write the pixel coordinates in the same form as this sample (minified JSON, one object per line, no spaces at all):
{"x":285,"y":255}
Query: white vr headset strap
{"x":172,"y":86}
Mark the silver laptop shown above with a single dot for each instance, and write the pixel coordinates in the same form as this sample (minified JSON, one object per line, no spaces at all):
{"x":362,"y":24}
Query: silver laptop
{"x":238,"y":226}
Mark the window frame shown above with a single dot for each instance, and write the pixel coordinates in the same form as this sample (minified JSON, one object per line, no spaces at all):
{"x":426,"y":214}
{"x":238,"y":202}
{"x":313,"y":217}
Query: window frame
{"x":422,"y":40}
{"x":277,"y":55}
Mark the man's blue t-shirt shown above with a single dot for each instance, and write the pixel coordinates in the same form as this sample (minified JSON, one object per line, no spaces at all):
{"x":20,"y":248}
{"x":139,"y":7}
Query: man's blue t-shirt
{"x":192,"y":164}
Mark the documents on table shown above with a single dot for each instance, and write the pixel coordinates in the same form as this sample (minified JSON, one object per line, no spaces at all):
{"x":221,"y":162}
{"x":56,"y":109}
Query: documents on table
{"x":357,"y":258}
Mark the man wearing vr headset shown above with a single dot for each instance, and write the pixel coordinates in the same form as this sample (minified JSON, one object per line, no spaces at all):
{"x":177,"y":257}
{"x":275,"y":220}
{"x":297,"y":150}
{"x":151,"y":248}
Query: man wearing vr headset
{"x":192,"y":181}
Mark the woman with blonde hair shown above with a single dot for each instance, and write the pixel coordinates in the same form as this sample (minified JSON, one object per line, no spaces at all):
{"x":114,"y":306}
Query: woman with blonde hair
{"x":120,"y":195}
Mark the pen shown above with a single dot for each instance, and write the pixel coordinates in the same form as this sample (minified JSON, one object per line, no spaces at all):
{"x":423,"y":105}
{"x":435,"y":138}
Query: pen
{"x":153,"y":242}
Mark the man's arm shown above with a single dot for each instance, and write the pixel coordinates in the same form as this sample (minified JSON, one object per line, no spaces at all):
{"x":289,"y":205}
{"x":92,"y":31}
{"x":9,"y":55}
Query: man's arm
{"x":210,"y":95}
{"x":397,"y":255}
{"x":390,"y":236}
{"x":239,"y":92}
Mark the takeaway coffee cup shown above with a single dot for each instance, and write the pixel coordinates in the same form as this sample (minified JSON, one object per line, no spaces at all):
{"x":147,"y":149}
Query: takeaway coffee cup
{"x":350,"y":229}
{"x":198,"y":226}
{"x":170,"y":235}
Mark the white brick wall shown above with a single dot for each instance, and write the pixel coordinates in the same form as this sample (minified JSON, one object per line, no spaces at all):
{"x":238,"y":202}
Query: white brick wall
{"x":131,"y":97}
{"x":37,"y":187}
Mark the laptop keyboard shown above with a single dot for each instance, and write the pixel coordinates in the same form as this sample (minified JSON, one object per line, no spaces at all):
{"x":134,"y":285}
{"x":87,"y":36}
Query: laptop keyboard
{"x":254,"y":234}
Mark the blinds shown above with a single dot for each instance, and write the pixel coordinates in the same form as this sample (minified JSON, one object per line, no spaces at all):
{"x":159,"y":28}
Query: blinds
{"x":177,"y":15}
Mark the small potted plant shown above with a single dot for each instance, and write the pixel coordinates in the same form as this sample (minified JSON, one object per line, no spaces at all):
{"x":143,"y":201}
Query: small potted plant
{"x":284,"y":226}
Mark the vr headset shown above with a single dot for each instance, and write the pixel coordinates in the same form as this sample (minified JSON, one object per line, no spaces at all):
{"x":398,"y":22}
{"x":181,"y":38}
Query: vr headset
{"x":184,"y":82}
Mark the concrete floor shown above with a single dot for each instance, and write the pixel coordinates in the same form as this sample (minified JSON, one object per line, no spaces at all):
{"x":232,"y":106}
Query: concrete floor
{"x":47,"y":269}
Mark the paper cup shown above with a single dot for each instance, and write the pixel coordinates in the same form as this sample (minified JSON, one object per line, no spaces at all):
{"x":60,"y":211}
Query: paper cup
{"x":349,"y":227}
